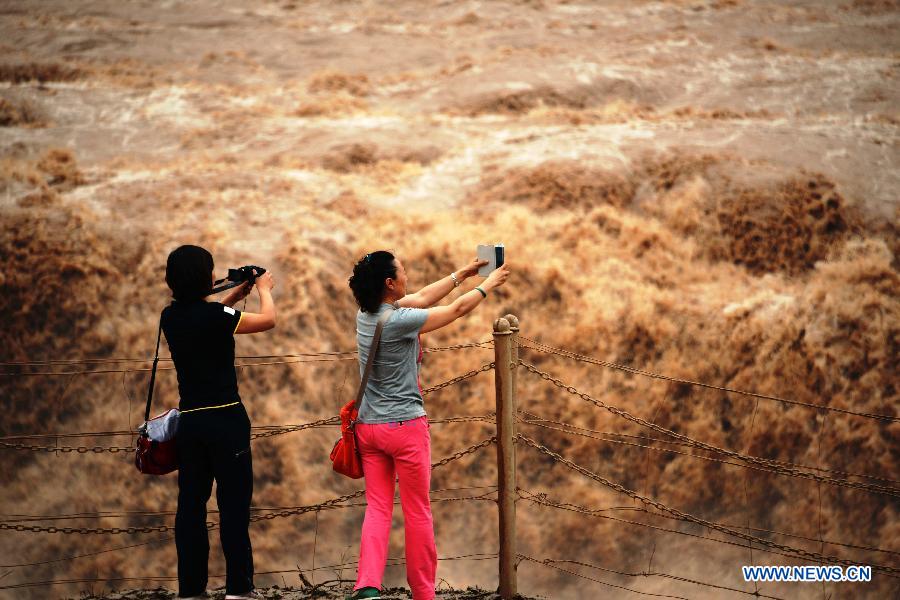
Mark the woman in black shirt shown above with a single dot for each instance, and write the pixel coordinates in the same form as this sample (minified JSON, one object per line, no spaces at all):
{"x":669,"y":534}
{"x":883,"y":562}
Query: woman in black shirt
{"x":213,"y":429}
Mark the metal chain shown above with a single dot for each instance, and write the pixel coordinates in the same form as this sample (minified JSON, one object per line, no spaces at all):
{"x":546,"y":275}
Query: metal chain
{"x":328,"y":504}
{"x":455,"y":380}
{"x":891,"y":571}
{"x":457,"y":347}
{"x":89,"y":530}
{"x":486,"y":418}
{"x":469,"y":450}
{"x":770,"y":465}
{"x":262,"y":434}
{"x":269,"y":432}
{"x":67,"y":449}
{"x":292,"y":428}
{"x":535,"y":345}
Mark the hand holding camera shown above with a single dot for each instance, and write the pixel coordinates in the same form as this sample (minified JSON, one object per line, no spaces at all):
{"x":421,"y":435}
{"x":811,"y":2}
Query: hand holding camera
{"x":265,"y":282}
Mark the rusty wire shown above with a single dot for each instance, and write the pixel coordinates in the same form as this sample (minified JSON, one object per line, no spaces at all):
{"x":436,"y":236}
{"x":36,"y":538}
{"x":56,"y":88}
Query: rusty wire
{"x":298,"y":510}
{"x":542,"y":499}
{"x":540,"y":347}
{"x":550,"y":562}
{"x":768,"y":464}
{"x":889,"y":571}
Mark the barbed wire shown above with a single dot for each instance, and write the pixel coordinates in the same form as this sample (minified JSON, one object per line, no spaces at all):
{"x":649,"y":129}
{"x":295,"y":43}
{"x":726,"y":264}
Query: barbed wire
{"x":889,"y":571}
{"x":541,"y":347}
{"x":766,"y":463}
{"x":572,"y":430}
{"x":293,"y":511}
{"x":758,"y":463}
{"x":270,"y":431}
{"x":525,"y":558}
{"x":100,"y":514}
{"x":172,"y":368}
{"x":550,"y":562}
{"x":339,"y":353}
{"x":485,"y":496}
{"x":167,"y":538}
{"x":263,"y":429}
{"x":645,"y":438}
{"x":542,"y":499}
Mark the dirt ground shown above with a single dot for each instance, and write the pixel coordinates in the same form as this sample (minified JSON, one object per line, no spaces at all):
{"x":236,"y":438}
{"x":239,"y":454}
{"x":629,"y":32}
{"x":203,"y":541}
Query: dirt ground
{"x":289,"y":593}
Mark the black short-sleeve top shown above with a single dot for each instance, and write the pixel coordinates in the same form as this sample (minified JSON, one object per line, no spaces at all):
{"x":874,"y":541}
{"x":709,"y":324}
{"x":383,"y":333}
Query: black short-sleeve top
{"x":201,"y":339}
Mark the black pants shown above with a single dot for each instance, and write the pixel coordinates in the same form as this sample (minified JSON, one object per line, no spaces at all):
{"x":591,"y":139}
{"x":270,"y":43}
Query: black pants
{"x":214,"y":444}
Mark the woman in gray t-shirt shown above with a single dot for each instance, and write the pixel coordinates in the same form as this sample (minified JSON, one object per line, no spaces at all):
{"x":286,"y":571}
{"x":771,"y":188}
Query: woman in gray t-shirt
{"x":392,"y":432}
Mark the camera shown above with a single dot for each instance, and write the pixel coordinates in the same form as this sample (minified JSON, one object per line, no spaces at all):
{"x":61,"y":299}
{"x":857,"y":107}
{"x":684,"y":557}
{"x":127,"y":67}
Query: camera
{"x":236,"y":277}
{"x":247,"y":273}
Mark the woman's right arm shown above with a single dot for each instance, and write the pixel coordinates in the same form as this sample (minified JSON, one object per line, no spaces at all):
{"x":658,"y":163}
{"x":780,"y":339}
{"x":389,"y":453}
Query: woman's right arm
{"x":444,"y":315}
{"x":265,"y":318}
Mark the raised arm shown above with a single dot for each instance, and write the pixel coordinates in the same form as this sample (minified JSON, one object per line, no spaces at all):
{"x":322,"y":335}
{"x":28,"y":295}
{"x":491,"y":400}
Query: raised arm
{"x":444,"y":315}
{"x":433,"y":293}
{"x":265,"y":318}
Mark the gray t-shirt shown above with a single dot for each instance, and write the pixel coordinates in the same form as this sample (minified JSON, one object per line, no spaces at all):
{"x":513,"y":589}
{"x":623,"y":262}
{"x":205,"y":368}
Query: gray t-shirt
{"x":392,"y":393}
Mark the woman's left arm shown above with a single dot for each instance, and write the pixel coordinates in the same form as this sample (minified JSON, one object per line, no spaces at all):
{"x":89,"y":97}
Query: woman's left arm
{"x":433,"y":293}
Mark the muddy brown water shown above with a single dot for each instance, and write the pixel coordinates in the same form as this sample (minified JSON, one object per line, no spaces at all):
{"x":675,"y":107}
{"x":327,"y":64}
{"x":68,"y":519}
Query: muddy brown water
{"x":702,"y":188}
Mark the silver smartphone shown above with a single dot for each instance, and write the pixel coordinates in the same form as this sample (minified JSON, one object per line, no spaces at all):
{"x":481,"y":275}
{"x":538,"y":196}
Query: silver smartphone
{"x":494,"y":254}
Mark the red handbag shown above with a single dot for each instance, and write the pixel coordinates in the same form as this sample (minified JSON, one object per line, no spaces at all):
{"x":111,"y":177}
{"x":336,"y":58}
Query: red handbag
{"x":345,"y":456}
{"x":156,"y":453}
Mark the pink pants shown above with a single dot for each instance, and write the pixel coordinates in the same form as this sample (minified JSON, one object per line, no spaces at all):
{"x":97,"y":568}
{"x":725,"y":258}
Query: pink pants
{"x":403,"y":451}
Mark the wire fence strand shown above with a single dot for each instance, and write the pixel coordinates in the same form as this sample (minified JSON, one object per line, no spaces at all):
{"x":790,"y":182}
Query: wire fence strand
{"x":889,"y":571}
{"x":540,"y":347}
{"x":336,"y":355}
{"x":553,"y":562}
{"x":754,"y":460}
{"x":790,"y":471}
{"x":611,"y":436}
{"x":293,"y":511}
{"x":542,"y":499}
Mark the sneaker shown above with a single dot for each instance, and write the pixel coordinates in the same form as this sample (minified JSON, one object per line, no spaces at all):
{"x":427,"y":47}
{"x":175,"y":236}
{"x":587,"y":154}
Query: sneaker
{"x":368,"y":593}
{"x":251,"y":595}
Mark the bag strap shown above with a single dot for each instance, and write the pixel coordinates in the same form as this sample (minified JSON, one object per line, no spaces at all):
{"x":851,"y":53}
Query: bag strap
{"x":370,"y":362}
{"x":153,"y":372}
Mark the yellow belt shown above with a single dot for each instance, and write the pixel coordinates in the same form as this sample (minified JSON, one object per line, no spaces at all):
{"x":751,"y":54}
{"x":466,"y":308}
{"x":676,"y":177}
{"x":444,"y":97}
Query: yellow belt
{"x":209,"y":407}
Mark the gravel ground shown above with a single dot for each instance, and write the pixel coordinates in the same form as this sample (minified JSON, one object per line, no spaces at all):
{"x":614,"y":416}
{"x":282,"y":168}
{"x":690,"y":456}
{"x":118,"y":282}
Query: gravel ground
{"x":327,"y":592}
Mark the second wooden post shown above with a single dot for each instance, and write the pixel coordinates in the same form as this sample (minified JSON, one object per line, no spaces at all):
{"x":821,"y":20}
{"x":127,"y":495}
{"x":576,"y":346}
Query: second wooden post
{"x":505,"y":362}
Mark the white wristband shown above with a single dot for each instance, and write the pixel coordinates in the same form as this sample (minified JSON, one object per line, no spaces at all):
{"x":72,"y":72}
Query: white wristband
{"x":456,"y":281}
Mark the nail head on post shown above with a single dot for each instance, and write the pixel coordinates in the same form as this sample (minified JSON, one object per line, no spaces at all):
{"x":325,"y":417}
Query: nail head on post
{"x":501,"y":325}
{"x":513,"y":321}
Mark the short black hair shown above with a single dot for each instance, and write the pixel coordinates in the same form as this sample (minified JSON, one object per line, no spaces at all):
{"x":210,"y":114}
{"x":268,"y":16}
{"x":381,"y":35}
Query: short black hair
{"x":367,"y":281}
{"x":189,"y":273}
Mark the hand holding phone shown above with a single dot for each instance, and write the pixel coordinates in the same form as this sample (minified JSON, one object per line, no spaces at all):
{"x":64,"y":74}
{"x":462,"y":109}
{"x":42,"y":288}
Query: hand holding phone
{"x":494,"y":254}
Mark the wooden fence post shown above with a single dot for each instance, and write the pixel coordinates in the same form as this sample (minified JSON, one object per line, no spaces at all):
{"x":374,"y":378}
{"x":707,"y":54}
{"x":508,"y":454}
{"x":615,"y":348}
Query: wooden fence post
{"x":505,"y":361}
